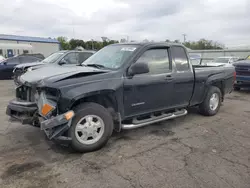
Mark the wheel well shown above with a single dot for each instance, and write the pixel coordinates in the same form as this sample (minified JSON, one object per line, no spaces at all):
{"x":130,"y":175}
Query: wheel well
{"x":219,"y":85}
{"x":107,"y":100}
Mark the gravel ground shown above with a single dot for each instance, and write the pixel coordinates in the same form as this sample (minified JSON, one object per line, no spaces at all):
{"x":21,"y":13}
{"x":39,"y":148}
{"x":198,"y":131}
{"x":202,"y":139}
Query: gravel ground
{"x":192,"y":151}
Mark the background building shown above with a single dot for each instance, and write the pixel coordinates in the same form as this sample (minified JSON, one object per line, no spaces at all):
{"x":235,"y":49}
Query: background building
{"x":11,"y":45}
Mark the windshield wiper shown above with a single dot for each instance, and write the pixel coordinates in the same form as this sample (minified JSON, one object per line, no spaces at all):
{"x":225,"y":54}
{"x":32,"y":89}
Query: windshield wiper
{"x":94,"y":65}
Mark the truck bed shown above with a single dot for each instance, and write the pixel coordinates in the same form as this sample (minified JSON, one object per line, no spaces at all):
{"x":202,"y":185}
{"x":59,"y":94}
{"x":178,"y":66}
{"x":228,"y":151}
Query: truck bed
{"x":205,"y":75}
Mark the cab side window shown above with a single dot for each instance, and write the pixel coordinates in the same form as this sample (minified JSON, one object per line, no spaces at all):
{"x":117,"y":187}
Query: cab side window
{"x":72,"y":58}
{"x":28,"y":59}
{"x":13,"y":60}
{"x":157,"y":60}
{"x":180,"y":58}
{"x":84,"y":55}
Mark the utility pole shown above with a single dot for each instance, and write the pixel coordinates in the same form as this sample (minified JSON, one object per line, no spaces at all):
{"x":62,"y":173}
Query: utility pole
{"x":92,"y":44}
{"x":184,"y":37}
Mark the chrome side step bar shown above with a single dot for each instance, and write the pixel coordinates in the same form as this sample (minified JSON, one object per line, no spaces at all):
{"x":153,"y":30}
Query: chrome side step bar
{"x":155,"y":119}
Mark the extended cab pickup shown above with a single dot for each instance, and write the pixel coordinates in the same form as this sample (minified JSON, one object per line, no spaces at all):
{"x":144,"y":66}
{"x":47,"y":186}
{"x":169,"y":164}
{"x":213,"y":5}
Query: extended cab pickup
{"x":122,"y":86}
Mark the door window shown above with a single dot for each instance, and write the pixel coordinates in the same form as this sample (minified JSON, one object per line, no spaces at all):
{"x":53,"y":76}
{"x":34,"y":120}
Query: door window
{"x":72,"y":58}
{"x":157,"y":60}
{"x":180,"y":58}
{"x":13,"y":60}
{"x":28,"y":59}
{"x":84,"y":55}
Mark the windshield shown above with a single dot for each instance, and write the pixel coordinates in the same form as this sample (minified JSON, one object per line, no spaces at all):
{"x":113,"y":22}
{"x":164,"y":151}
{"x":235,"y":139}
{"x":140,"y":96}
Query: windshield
{"x":221,"y":60}
{"x":53,"y":57}
{"x":112,"y":56}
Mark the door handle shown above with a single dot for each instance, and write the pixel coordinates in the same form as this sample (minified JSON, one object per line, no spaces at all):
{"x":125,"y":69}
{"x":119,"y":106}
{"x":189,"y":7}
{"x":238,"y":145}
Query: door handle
{"x":169,"y":78}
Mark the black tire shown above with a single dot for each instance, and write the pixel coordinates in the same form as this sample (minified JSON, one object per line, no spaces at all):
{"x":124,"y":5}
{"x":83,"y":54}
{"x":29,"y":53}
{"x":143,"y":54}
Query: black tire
{"x":204,"y":107}
{"x":91,"y":109}
{"x":237,"y":88}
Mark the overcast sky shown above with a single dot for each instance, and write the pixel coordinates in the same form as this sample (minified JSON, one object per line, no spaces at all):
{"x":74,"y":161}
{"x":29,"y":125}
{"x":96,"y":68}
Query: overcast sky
{"x":226,"y":21}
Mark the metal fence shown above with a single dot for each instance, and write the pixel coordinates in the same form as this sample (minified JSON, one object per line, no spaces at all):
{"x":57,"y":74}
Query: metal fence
{"x":208,"y":54}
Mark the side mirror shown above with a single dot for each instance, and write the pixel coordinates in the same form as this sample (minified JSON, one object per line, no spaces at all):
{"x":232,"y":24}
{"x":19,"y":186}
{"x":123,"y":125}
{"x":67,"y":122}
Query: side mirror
{"x":138,"y":68}
{"x":62,"y":62}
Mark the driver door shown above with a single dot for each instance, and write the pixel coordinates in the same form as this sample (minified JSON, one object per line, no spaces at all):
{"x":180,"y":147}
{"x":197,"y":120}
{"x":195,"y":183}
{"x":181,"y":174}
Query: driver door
{"x":145,"y":93}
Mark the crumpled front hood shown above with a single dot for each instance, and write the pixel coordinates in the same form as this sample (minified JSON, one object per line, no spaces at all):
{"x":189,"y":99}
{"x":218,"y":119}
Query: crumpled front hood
{"x":55,"y":73}
{"x":23,"y":65}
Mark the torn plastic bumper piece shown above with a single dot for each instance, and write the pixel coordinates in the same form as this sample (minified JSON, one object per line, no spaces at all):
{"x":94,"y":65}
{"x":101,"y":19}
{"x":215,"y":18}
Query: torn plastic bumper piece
{"x":22,"y":111}
{"x":56,"y":126}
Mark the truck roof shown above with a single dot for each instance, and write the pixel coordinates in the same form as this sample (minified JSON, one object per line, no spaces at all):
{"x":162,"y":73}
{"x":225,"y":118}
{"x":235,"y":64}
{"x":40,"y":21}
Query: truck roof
{"x":64,"y":51}
{"x":150,"y":43}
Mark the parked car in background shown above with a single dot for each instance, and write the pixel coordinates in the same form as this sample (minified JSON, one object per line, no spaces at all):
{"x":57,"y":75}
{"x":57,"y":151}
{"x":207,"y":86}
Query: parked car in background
{"x":2,"y":58}
{"x":7,"y":65}
{"x":195,"y":59}
{"x":66,"y":57}
{"x":222,"y":61}
{"x":38,"y":55}
{"x":122,"y":86}
{"x":242,"y":69}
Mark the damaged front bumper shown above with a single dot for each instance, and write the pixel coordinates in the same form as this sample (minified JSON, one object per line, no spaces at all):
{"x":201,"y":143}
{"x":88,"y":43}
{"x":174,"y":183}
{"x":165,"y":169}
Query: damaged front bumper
{"x":56,"y":126}
{"x":22,"y":111}
{"x":29,"y":113}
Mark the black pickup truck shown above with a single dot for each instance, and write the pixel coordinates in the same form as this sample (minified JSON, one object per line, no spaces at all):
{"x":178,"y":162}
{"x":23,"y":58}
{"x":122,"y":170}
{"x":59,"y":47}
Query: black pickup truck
{"x":122,"y":86}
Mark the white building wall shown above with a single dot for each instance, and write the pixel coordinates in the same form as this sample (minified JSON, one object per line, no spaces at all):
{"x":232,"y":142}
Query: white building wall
{"x":4,"y":51}
{"x":44,"y":48}
{"x":37,"y":47}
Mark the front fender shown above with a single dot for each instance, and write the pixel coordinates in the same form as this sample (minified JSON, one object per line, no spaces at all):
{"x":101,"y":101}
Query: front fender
{"x":69,"y":96}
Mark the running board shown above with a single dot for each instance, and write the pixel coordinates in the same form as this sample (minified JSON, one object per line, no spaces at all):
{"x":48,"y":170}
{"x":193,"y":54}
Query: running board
{"x":155,"y":119}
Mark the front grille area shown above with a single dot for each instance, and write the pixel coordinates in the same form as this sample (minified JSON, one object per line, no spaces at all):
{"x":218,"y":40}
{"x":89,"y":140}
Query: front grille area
{"x":25,"y":93}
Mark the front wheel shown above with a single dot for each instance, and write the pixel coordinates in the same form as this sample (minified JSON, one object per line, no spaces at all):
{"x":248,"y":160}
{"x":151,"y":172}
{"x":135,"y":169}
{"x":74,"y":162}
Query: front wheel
{"x":212,"y":102}
{"x":91,"y":127}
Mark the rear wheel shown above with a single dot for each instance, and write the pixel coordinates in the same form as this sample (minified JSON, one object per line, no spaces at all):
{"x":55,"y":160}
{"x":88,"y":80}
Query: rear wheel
{"x":91,"y":127}
{"x":212,"y":102}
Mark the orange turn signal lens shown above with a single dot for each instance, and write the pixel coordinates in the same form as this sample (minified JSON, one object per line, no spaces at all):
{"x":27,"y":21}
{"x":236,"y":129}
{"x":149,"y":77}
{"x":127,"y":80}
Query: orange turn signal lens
{"x":46,"y":109}
{"x":69,"y":115}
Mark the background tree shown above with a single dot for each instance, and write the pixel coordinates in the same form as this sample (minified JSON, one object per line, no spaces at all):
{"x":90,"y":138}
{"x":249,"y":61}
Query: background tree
{"x":204,"y":44}
{"x":73,"y":44}
{"x":63,"y":43}
{"x":176,"y":41}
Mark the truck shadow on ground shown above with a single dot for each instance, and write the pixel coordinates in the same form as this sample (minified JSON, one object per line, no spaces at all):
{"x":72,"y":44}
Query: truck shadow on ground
{"x":160,"y":129}
{"x":37,"y":141}
{"x":36,"y":138}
